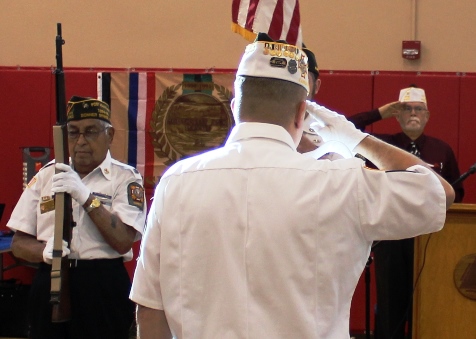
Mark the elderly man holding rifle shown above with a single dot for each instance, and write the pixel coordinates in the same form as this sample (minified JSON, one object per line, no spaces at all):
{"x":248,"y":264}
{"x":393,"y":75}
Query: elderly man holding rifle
{"x":109,"y":213}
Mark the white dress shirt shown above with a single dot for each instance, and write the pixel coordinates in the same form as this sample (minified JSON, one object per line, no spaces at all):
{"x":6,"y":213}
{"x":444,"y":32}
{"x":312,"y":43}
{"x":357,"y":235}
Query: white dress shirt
{"x":254,"y":240}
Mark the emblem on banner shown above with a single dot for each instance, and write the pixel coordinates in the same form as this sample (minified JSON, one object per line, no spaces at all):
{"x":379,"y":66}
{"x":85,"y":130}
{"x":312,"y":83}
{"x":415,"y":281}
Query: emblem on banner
{"x":188,"y":122}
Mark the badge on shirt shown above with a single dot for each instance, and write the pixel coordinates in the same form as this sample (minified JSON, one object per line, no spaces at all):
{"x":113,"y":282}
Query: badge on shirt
{"x":47,"y":204}
{"x":135,"y":195}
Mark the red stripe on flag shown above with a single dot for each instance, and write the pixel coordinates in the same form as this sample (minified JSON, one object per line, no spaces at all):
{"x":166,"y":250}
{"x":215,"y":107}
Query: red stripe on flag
{"x":276,"y":25}
{"x":250,"y":18}
{"x":293,"y":32}
{"x":149,"y":149}
{"x":235,"y":9}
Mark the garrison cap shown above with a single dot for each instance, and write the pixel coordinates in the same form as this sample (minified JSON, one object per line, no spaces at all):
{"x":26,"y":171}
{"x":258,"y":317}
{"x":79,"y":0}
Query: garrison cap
{"x":267,"y":58}
{"x":311,"y":61}
{"x":412,"y":94}
{"x":87,"y":108}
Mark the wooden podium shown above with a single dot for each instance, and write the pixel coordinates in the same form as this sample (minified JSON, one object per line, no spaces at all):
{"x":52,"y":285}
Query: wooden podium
{"x":440,"y":310}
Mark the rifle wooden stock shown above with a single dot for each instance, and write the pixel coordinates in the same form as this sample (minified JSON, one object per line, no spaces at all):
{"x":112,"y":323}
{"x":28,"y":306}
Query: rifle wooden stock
{"x":60,"y":292}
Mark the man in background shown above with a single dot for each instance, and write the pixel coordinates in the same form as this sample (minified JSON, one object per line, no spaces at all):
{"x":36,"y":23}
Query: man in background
{"x":310,"y":139}
{"x":313,"y":72}
{"x":394,"y":259}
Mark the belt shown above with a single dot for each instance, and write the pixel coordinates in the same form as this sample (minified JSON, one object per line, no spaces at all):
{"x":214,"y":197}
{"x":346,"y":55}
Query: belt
{"x":95,"y":263}
{"x":90,"y":264}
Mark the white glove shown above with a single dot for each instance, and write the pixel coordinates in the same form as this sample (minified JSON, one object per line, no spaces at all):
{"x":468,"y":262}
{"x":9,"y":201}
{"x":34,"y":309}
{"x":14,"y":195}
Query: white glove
{"x":309,"y":132}
{"x":48,"y":251}
{"x":332,"y":126}
{"x":69,"y":181}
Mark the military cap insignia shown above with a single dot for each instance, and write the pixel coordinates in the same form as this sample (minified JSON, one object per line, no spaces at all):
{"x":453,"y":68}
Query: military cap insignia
{"x":87,"y":108}
{"x":278,"y":62}
{"x":292,"y":67}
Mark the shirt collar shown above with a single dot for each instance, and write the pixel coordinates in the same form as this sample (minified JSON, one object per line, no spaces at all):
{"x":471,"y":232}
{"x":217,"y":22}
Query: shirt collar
{"x":248,"y":130}
{"x":105,"y":166}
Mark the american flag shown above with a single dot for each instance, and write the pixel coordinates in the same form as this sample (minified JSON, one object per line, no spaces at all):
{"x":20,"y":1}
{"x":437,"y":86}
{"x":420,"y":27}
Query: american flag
{"x":279,"y":18}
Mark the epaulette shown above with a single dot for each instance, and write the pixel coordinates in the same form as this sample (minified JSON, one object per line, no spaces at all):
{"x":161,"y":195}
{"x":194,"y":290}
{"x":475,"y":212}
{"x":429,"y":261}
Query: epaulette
{"x":52,"y":162}
{"x":128,"y":167}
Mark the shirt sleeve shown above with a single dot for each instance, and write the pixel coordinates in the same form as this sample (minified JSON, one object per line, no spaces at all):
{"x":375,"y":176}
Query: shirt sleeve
{"x":409,"y":203}
{"x":24,"y":215}
{"x":362,"y":120}
{"x":129,"y":201}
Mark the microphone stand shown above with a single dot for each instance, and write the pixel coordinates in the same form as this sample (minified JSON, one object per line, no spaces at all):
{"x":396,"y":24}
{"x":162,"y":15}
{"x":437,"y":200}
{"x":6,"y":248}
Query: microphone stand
{"x":367,"y":292}
{"x":471,"y":170}
{"x":367,"y":297}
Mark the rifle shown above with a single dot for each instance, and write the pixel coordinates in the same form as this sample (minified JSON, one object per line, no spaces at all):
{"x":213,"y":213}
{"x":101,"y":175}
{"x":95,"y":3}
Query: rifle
{"x":60,"y":293}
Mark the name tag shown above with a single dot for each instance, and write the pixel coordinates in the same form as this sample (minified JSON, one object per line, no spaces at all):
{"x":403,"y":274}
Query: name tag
{"x":104,"y":198}
{"x":47,"y":204}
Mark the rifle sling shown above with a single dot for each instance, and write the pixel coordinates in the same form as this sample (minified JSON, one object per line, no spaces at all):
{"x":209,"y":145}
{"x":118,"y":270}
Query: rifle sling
{"x":58,"y":140}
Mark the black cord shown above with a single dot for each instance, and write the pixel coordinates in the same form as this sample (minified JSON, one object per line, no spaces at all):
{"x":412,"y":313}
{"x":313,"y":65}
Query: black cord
{"x":375,"y":244}
{"x":410,"y":302}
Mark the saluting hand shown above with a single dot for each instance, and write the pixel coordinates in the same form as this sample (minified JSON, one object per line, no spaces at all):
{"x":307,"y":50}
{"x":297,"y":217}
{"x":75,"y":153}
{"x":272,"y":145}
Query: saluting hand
{"x":390,"y":110}
{"x":332,"y":126}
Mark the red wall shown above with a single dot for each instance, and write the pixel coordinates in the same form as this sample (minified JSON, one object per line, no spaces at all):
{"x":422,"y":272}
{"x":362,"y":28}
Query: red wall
{"x":27,"y":112}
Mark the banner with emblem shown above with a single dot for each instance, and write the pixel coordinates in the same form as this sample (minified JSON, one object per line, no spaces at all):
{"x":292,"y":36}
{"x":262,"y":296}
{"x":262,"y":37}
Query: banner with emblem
{"x":162,"y":117}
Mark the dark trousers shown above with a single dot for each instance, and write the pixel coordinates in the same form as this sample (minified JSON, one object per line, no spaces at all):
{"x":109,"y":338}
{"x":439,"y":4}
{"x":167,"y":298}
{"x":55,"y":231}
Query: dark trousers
{"x":394,"y":282}
{"x":100,"y":304}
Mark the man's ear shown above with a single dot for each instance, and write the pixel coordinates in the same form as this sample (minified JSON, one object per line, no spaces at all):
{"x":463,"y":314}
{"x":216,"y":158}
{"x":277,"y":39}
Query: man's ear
{"x":233,"y":111}
{"x":110,"y":133}
{"x":300,"y":114}
{"x":318,"y":85}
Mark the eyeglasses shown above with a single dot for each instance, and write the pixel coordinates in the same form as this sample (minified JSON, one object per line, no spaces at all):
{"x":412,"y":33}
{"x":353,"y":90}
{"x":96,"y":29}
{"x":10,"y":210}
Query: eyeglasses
{"x":90,"y":134}
{"x":417,"y":109}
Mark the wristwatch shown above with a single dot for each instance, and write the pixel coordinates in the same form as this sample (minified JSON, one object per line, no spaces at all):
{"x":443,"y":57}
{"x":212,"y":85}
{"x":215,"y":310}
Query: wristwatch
{"x":94,"y":204}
